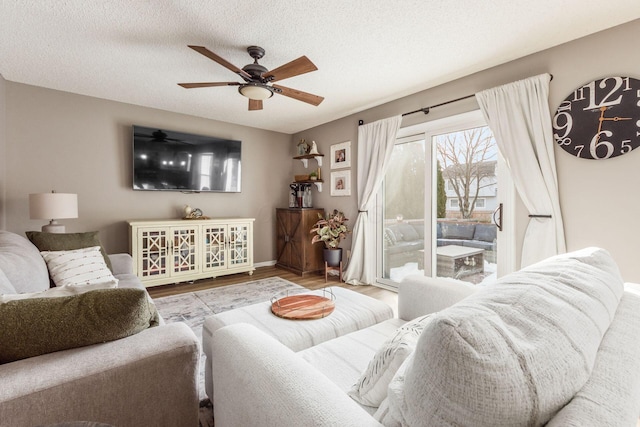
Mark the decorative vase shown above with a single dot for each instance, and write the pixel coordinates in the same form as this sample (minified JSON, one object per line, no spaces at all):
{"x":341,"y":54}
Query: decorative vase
{"x":333,"y":257}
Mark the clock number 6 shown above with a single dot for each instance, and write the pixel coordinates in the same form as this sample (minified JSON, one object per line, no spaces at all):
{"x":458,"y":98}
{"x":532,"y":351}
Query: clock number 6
{"x":595,"y":143}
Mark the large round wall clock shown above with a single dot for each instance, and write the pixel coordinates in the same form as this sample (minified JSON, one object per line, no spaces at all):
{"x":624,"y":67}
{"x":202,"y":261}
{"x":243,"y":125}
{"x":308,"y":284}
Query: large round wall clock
{"x":600,"y":120}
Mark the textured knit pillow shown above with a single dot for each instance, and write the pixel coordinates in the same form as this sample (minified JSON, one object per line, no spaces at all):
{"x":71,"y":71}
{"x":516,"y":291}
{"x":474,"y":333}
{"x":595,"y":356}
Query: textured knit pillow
{"x":67,"y":241}
{"x":60,"y":291}
{"x":78,"y":267}
{"x":371,"y":388}
{"x":514,"y":353}
{"x":31,"y":327}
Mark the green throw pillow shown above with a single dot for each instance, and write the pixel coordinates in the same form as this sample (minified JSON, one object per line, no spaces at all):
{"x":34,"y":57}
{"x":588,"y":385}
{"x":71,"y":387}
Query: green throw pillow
{"x":67,"y":242}
{"x":31,"y":327}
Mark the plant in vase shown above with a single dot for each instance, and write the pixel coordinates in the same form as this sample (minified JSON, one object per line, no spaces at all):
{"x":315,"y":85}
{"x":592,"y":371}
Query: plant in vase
{"x":330,"y":230}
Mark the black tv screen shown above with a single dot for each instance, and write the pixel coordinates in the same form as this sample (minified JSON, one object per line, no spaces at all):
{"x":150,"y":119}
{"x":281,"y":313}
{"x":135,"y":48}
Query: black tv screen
{"x":177,"y":161}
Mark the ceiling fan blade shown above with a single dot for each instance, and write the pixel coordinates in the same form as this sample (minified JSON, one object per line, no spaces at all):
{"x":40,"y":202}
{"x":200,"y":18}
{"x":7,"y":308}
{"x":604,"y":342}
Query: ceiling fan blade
{"x":255,"y":104}
{"x":206,"y":52}
{"x":211,"y":84}
{"x":294,"y":68}
{"x":300,"y":95}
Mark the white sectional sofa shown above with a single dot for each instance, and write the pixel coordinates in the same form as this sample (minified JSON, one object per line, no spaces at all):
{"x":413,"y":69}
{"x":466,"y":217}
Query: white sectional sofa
{"x":554,"y":344}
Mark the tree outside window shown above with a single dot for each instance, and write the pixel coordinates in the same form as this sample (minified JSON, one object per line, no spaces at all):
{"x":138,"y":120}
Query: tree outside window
{"x":468,"y":160}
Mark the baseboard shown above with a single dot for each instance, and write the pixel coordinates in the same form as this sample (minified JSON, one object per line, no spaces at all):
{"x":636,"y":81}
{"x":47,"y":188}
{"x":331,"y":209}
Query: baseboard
{"x":265,"y":264}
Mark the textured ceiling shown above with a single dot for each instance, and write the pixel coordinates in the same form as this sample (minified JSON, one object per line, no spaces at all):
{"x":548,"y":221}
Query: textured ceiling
{"x":368,"y":52}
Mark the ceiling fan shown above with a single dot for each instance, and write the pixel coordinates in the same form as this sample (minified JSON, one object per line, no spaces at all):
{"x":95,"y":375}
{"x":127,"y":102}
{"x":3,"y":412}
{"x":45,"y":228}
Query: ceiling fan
{"x":257,"y":78}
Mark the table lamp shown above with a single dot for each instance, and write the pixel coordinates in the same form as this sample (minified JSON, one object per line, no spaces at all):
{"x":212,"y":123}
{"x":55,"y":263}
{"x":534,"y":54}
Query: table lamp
{"x":53,"y":206}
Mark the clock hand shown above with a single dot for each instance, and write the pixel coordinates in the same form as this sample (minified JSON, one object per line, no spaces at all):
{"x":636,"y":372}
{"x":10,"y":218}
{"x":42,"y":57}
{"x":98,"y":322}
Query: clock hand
{"x":602,"y":110}
{"x":615,"y":119}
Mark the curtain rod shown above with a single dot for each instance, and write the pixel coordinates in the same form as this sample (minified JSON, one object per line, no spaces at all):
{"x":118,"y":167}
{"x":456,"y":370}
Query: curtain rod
{"x":426,"y":109}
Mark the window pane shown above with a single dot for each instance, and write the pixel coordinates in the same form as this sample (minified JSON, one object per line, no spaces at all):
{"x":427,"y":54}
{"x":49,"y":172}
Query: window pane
{"x":403,"y":233}
{"x":466,"y":237}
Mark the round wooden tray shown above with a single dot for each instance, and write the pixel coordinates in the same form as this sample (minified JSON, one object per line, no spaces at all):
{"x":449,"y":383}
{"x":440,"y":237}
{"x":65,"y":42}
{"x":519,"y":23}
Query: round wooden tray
{"x":303,"y":307}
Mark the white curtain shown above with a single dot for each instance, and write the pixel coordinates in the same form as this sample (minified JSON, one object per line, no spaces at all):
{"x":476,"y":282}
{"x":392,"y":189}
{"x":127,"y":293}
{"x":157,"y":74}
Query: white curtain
{"x":519,"y":117}
{"x":375,"y":144}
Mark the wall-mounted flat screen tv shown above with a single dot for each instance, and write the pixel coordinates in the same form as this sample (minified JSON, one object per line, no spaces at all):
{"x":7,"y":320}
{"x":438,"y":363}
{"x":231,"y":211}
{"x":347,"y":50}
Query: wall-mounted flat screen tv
{"x":177,"y":161}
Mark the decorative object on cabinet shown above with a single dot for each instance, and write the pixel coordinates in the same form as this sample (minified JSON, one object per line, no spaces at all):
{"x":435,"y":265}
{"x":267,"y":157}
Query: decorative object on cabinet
{"x":195,"y":214}
{"x":341,"y":155}
{"x":600,"y":120}
{"x":294,"y":249}
{"x":173,"y":251}
{"x":341,"y":183}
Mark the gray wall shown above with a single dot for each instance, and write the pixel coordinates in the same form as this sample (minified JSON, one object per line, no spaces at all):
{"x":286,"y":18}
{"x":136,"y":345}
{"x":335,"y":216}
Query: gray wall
{"x":598,"y":198}
{"x":77,"y":144}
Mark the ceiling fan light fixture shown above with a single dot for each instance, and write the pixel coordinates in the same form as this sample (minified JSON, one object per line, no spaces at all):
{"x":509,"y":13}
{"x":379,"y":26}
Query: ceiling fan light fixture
{"x":255,"y":91}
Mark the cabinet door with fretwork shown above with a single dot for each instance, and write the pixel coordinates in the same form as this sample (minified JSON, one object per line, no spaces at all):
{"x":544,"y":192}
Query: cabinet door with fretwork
{"x":214,"y":247}
{"x":240,"y":248}
{"x":184,"y":250}
{"x":152,"y":259}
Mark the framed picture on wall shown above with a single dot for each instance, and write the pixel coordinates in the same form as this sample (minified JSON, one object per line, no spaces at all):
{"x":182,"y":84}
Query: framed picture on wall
{"x":341,"y":155}
{"x":341,"y":183}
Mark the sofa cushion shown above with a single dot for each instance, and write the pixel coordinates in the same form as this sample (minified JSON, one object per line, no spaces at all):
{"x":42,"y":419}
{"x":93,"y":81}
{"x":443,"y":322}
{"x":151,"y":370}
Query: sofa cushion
{"x":485,"y":232}
{"x":371,"y":387}
{"x":67,"y":242}
{"x":78,"y":267}
{"x":22,"y":264}
{"x":31,"y":327}
{"x":457,"y":231}
{"x":405,"y":232}
{"x":515,"y":352}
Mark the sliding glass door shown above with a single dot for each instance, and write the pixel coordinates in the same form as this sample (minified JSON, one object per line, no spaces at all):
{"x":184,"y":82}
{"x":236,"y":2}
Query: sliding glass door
{"x":441,"y":208}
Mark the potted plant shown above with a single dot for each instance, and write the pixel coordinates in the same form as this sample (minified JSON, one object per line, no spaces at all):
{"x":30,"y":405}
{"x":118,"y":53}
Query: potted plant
{"x":330,"y":230}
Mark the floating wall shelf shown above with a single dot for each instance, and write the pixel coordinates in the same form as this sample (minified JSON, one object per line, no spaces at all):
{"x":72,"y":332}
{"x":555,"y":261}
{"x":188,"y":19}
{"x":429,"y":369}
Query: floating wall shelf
{"x":305,"y":159}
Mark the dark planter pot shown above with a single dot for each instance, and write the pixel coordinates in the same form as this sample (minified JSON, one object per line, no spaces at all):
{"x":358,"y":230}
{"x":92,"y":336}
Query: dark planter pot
{"x":333,"y":257}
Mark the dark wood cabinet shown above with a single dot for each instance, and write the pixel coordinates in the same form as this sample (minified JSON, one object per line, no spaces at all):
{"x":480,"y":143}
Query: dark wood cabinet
{"x":294,"y":249}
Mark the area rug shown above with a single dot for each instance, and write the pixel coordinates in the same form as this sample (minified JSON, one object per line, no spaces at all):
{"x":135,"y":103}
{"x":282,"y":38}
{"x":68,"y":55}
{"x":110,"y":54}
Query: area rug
{"x":192,"y":307}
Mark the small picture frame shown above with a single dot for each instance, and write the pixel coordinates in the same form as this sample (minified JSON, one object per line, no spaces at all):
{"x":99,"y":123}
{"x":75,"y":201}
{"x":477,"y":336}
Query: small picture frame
{"x":341,"y":183}
{"x":341,"y":155}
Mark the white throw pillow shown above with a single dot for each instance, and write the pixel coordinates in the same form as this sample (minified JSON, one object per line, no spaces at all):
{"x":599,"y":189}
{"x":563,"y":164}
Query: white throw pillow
{"x":371,"y":388}
{"x":59,"y":291}
{"x":77,"y":267}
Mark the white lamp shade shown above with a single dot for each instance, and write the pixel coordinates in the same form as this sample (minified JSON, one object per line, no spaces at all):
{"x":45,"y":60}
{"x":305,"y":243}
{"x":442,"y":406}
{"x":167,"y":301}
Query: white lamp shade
{"x":53,"y":205}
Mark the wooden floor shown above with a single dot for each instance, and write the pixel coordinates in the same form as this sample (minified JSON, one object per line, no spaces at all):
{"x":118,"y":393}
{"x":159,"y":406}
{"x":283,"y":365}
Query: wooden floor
{"x":309,"y":281}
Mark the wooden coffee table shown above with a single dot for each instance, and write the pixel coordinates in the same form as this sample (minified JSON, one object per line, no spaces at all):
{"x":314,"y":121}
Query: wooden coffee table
{"x":459,"y":261}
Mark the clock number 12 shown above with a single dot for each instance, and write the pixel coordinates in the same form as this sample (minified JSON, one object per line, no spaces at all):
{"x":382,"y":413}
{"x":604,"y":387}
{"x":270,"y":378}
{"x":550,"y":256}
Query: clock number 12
{"x":608,"y":99}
